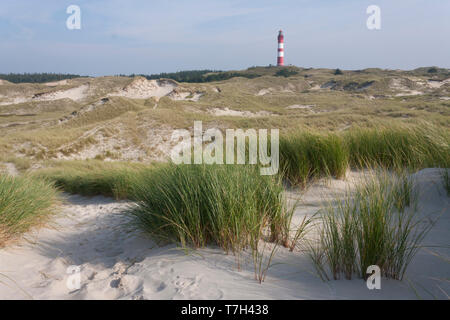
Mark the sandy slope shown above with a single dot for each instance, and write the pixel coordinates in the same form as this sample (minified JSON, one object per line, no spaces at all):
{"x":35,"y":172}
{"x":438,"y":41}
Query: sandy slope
{"x":76,"y":94}
{"x":119,"y":263}
{"x":141,"y":88}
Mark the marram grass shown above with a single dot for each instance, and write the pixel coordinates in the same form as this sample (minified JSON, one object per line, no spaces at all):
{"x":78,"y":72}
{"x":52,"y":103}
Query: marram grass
{"x":25,"y":202}
{"x":374,"y":225}
{"x":400,"y":146}
{"x":93,"y":177}
{"x":196,"y":205}
{"x":305,"y":156}
{"x":308,"y":155}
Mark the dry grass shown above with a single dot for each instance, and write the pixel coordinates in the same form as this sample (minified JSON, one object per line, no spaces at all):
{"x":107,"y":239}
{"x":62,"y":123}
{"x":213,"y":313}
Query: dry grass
{"x":348,"y":104}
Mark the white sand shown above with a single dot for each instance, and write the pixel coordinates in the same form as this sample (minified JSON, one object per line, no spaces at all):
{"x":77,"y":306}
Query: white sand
{"x":11,"y":169}
{"x":399,"y":85}
{"x":57,"y":83}
{"x":263,"y":92}
{"x":75,"y":94}
{"x":301,"y":106}
{"x":141,"y":88}
{"x":436,"y":84}
{"x":119,"y":263}
{"x":178,"y":95}
{"x":409,"y":93}
{"x":236,"y":113}
{"x":15,"y":100}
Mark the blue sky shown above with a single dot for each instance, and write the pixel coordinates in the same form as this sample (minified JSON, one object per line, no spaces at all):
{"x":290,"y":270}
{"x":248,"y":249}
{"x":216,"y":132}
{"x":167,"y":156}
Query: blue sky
{"x":152,"y":36}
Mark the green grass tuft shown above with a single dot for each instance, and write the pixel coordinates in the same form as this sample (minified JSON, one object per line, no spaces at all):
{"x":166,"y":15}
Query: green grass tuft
{"x":24,"y":202}
{"x":307,"y":155}
{"x":375,"y":225}
{"x":196,"y":205}
{"x":304,"y":156}
{"x":93,"y":177}
{"x":399,"y":147}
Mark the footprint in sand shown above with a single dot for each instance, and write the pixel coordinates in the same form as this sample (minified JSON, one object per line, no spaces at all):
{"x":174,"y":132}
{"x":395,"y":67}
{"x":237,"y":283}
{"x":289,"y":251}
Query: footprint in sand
{"x":155,"y":285}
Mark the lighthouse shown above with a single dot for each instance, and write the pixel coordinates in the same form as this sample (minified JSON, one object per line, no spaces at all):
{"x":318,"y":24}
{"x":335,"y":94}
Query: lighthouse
{"x":280,"y":60}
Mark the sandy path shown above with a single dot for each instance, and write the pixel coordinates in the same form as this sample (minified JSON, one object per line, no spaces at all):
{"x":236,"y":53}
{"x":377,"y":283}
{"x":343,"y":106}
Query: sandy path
{"x":117,"y":262}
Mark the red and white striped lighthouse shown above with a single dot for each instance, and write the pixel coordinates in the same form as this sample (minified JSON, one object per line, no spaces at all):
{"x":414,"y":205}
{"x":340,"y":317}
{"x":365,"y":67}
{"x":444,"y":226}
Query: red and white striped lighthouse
{"x":280,"y":60}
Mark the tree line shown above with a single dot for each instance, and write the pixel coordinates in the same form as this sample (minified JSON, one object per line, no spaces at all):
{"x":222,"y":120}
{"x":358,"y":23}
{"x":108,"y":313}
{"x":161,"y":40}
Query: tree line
{"x":36,"y":77}
{"x":193,"y":76}
{"x":197,"y":76}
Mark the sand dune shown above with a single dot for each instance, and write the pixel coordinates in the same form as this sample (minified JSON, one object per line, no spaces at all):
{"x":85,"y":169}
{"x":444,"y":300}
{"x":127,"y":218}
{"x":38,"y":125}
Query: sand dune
{"x":141,"y":88}
{"x":117,"y":262}
{"x":75,"y":94}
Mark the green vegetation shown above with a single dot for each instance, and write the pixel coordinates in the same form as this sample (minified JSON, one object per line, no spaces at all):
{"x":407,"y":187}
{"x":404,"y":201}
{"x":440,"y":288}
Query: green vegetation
{"x":93,"y":177}
{"x":196,"y":205}
{"x":399,"y":146}
{"x":375,"y":225}
{"x":180,"y":76}
{"x":36,"y":77}
{"x":44,"y":129}
{"x":25,"y":202}
{"x":22,"y":164}
{"x":306,"y":155}
{"x":354,"y":120}
{"x":199,"y":76}
{"x":203,"y":76}
{"x":286,"y":73}
{"x":221,"y":76}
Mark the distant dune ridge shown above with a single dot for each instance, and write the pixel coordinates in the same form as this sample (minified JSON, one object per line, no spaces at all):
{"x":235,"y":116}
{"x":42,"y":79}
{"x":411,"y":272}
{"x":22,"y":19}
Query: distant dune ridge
{"x":131,"y":118}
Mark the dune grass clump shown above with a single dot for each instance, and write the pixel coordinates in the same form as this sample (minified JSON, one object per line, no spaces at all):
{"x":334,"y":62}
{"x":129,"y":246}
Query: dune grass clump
{"x":24,"y":202}
{"x":305,"y":156}
{"x":413,"y":146}
{"x":375,"y":225}
{"x":93,"y":177}
{"x":225,"y":205}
